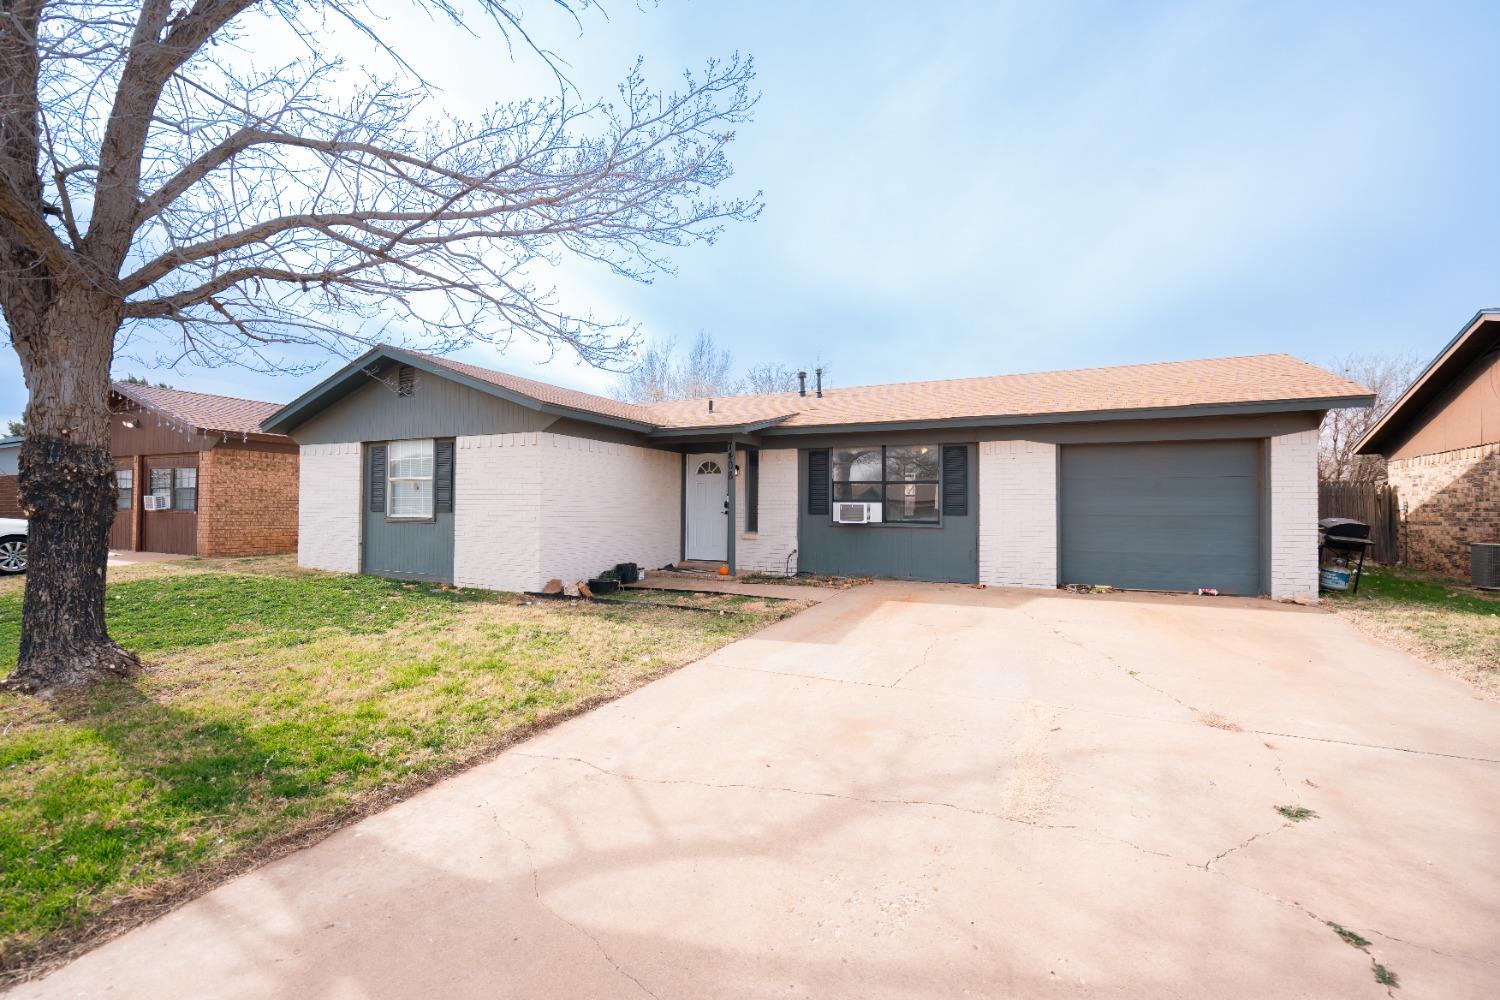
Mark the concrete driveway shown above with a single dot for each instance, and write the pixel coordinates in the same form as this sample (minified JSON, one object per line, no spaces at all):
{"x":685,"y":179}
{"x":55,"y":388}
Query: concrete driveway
{"x":915,"y":791}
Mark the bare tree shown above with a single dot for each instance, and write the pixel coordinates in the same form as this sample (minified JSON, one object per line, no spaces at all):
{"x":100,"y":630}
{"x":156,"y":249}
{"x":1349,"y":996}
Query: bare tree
{"x":158,"y":179}
{"x":1387,"y":376}
{"x":773,"y":377}
{"x":659,"y":374}
{"x":704,"y":371}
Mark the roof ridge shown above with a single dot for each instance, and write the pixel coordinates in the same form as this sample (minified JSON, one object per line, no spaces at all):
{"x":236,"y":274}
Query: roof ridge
{"x":978,"y":378}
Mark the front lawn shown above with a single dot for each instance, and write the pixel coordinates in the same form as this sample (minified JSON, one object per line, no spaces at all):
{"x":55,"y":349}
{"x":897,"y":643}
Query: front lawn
{"x":1444,"y":621}
{"x":277,"y":705}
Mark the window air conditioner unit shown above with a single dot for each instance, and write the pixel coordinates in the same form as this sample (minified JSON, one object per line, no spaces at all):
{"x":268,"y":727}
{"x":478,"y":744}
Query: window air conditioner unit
{"x":153,"y":502}
{"x":856,"y":513}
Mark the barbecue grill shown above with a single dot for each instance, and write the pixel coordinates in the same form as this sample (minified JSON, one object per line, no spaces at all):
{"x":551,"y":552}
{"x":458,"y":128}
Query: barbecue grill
{"x":1344,"y":536}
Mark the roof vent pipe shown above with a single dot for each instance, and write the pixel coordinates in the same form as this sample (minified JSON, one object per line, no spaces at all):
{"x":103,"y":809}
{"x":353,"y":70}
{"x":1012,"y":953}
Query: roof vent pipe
{"x":819,"y":373}
{"x":802,"y":383}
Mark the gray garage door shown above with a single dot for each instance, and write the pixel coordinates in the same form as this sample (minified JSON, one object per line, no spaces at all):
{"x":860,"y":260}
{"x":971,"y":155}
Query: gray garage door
{"x":1158,"y":516}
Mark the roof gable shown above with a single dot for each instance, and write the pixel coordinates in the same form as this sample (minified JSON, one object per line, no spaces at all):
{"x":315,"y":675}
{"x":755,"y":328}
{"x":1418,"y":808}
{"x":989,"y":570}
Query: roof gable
{"x":1478,"y":337}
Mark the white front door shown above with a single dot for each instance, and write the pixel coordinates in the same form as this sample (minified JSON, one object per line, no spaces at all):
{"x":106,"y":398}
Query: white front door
{"x":707,"y":508}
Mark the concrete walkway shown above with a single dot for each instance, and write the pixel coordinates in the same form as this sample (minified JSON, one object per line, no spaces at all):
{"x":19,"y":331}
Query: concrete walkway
{"x":915,"y":791}
{"x":658,"y":580}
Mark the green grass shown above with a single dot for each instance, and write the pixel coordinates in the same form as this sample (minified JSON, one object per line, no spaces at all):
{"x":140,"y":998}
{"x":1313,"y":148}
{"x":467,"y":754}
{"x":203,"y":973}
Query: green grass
{"x":1350,"y":937}
{"x":1441,"y":620}
{"x":1386,"y":977}
{"x":1296,"y":813}
{"x":276,"y":701}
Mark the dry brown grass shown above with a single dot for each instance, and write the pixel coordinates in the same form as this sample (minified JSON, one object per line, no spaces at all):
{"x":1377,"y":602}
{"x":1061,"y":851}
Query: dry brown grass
{"x":1219,"y":721}
{"x":1029,"y":794}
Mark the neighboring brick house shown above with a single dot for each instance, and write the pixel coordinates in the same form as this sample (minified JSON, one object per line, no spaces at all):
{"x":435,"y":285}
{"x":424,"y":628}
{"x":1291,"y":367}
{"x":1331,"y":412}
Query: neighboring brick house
{"x":1164,"y":477}
{"x":197,"y":476}
{"x":10,"y":455}
{"x":1441,"y":442}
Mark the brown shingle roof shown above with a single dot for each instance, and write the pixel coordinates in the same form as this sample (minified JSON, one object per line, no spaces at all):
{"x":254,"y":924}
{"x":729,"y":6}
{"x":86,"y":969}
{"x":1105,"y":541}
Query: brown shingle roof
{"x":1261,"y":378}
{"x":202,"y":411}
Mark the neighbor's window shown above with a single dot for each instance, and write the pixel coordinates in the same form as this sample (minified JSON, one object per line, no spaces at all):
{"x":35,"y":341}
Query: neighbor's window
{"x":185,"y":489}
{"x":161,"y":484}
{"x":125,"y":484}
{"x":409,"y":475}
{"x":904,"y":478}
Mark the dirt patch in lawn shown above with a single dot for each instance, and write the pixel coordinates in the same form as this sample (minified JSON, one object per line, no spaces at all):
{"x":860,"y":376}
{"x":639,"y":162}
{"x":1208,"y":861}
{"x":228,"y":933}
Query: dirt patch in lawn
{"x":279,"y":705}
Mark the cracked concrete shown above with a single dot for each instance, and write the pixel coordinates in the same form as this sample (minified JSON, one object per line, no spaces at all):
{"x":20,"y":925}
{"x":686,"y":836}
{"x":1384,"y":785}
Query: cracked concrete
{"x":827,"y":810}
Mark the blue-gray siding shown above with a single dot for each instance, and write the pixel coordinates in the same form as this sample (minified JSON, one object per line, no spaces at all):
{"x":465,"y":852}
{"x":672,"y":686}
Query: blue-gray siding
{"x":1163,"y":516}
{"x":948,"y":551}
{"x":438,"y":408}
{"x":406,"y":550}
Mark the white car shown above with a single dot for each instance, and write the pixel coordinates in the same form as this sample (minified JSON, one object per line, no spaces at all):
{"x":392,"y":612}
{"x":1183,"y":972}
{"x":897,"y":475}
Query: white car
{"x":12,"y":546}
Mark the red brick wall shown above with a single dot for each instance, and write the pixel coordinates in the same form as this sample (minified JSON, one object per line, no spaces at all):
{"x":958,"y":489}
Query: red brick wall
{"x":247,"y":502}
{"x":10,"y":503}
{"x":1451,"y":499}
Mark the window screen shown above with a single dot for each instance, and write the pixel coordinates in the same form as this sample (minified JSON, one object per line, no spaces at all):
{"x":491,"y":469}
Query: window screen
{"x":125,"y":485}
{"x":409,"y":472}
{"x":185,"y":490}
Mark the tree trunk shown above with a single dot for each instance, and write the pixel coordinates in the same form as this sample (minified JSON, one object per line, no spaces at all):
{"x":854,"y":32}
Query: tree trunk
{"x":68,"y":493}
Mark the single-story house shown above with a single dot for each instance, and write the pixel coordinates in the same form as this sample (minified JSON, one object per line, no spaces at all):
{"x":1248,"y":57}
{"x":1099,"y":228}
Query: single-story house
{"x":1161,"y":476}
{"x":1441,"y":442}
{"x":197,"y":476}
{"x":10,"y":468}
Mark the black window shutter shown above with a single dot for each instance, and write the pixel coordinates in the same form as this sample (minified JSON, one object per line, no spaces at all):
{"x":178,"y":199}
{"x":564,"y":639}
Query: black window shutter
{"x":377,"y":479}
{"x":956,"y":479}
{"x":442,"y":488}
{"x":817,"y":481}
{"x":752,"y":490}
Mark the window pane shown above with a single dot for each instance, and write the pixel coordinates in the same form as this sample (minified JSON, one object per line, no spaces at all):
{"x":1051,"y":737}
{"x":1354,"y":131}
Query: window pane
{"x":860,"y":492}
{"x":125,"y":484}
{"x":854,"y":464}
{"x":186,"y":478}
{"x":161,"y":482}
{"x":410,"y":498}
{"x":185,"y":499}
{"x":911,"y":502}
{"x":410,"y":459}
{"x":903,"y":463}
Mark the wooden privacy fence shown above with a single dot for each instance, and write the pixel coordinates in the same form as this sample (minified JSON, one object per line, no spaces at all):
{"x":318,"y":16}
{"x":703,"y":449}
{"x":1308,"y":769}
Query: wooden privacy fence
{"x":1373,"y":503}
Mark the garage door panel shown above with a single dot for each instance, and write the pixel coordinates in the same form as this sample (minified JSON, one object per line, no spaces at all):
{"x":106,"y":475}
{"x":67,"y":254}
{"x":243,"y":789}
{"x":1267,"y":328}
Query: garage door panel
{"x":1162,"y":516}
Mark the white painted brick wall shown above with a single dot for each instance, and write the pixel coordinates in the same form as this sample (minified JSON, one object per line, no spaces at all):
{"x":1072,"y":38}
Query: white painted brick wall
{"x":1294,"y":515}
{"x":497,"y":502}
{"x":1018,"y":514}
{"x":329,"y":493}
{"x":605,"y":503}
{"x":768,"y":549}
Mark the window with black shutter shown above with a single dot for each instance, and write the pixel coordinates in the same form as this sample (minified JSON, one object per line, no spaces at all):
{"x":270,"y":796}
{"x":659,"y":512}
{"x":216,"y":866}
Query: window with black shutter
{"x":752,"y":490}
{"x":817,"y":481}
{"x":955,"y":479}
{"x":377,"y":479}
{"x":443,"y":485}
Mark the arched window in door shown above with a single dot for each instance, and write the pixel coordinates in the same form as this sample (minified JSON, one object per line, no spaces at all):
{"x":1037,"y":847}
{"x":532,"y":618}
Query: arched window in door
{"x":710,"y":468}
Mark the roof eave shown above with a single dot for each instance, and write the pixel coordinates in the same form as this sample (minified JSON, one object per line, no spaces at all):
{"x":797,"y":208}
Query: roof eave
{"x":1376,"y":436}
{"x":1084,"y":416}
{"x":301,"y":409}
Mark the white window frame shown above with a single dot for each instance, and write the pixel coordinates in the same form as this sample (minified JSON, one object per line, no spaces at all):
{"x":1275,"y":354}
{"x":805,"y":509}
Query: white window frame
{"x":413,"y":447}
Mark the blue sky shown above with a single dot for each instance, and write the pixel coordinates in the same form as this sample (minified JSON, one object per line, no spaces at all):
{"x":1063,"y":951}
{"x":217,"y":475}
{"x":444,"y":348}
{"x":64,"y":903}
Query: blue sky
{"x":994,"y":188}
